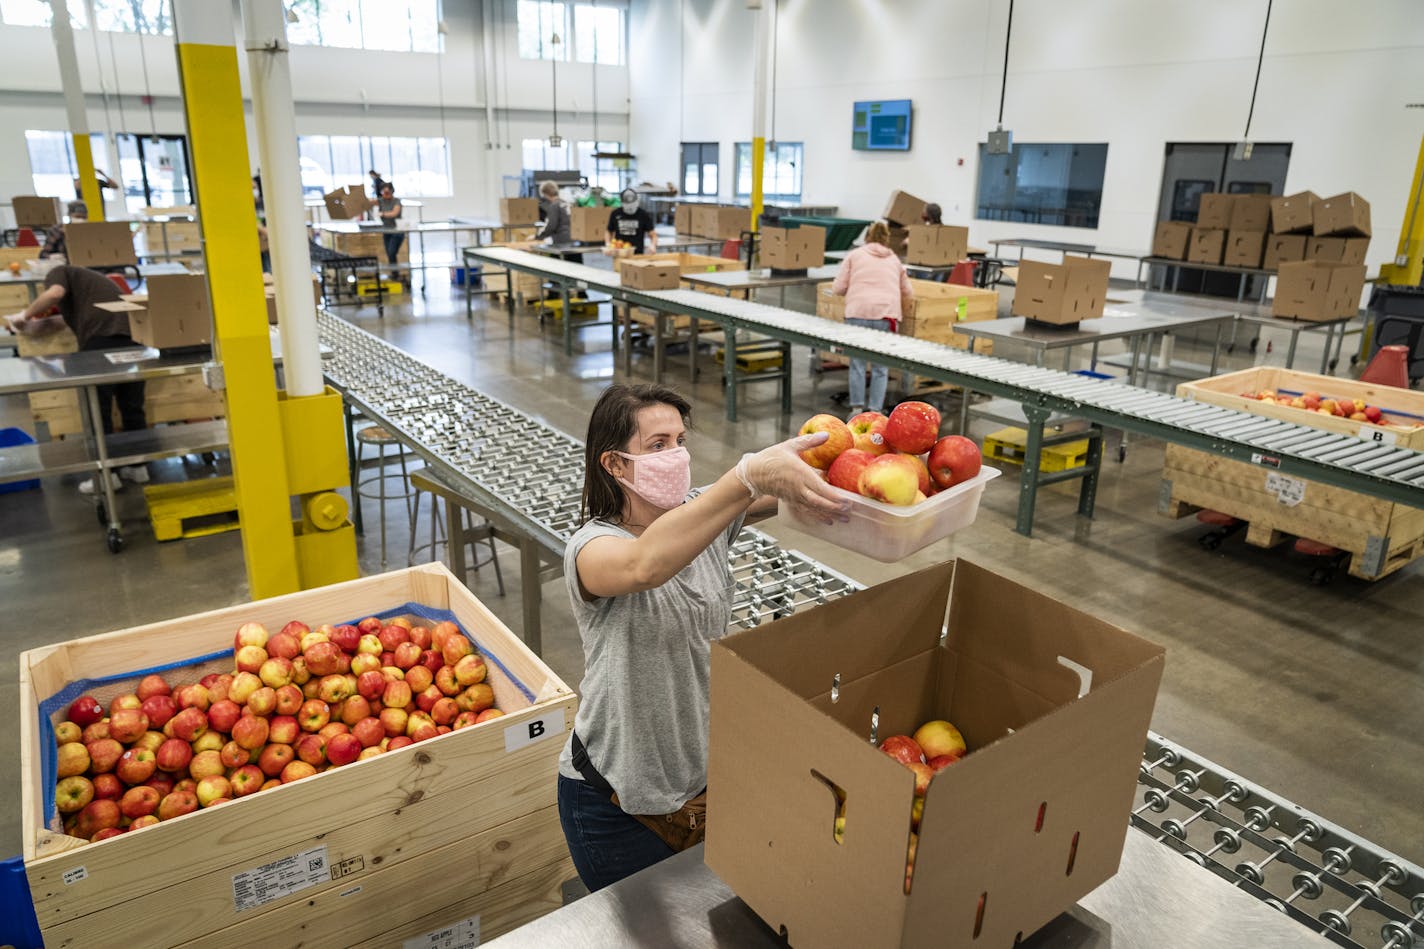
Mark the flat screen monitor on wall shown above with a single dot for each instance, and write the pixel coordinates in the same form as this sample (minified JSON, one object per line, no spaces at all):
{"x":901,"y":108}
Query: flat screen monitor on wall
{"x":881,"y":126}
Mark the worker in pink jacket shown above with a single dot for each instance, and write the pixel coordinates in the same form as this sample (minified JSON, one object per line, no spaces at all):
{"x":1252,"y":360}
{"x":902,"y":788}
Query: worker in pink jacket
{"x":878,"y":293}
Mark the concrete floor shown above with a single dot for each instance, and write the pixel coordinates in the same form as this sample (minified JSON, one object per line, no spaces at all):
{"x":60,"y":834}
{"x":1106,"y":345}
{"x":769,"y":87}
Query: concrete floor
{"x":1314,"y":692}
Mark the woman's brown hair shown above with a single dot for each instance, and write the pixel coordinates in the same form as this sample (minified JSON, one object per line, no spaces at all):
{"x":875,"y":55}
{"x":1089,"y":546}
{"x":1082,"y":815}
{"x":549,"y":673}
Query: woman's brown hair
{"x":611,"y":427}
{"x":878,"y":233}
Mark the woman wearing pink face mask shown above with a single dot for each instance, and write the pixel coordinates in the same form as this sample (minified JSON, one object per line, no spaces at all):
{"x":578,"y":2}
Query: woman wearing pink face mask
{"x":650,"y":587}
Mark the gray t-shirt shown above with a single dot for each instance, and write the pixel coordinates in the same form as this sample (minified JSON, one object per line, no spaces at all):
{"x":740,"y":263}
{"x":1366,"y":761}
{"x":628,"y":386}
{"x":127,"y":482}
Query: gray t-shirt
{"x":643,"y":701}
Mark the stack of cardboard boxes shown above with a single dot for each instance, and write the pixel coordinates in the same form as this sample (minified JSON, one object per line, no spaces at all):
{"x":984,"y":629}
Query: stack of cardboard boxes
{"x":721,"y":221}
{"x":903,"y":211}
{"x":589,"y":225}
{"x":794,"y":249}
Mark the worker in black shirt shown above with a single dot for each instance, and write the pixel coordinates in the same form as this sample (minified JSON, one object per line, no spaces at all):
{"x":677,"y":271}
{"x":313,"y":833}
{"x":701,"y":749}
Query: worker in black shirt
{"x":632,"y":224}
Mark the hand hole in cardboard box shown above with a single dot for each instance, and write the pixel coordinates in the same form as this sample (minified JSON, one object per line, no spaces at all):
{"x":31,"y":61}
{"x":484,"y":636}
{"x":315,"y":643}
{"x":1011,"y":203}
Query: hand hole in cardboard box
{"x":1038,"y":824}
{"x":838,"y":815}
{"x":1072,"y":854}
{"x":979,"y":913}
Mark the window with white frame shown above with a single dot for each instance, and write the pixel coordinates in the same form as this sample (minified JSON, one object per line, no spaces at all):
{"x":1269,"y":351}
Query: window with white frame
{"x":579,"y":32}
{"x":612,"y":174}
{"x":409,"y":26}
{"x":416,"y":167}
{"x":539,"y":155}
{"x":37,"y":13}
{"x":781,"y":171}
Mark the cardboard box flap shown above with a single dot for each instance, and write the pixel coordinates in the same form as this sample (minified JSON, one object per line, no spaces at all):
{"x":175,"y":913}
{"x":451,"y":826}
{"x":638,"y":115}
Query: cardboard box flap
{"x":122,"y":306}
{"x":916,"y":601}
{"x":792,"y":811}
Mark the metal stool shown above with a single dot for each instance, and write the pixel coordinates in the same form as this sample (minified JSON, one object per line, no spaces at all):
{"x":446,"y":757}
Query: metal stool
{"x":426,"y":481}
{"x":381,"y":439}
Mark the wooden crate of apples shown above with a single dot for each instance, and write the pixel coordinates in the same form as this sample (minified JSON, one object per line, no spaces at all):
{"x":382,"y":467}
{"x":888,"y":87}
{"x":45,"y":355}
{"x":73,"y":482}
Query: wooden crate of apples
{"x":1357,"y":410}
{"x":296,"y":703}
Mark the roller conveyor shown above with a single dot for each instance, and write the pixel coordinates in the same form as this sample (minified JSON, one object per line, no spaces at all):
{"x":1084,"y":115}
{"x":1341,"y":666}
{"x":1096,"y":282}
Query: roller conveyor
{"x":1397,"y":475}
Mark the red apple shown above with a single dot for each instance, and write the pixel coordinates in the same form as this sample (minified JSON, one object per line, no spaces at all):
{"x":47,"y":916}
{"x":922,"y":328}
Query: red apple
{"x":347,"y":637}
{"x":270,"y":783}
{"x":243,"y":685}
{"x":190,"y":723}
{"x":159,"y":709}
{"x":938,"y":738}
{"x":369,"y":731}
{"x":868,"y":433}
{"x":173,"y":755}
{"x":312,"y":749}
{"x":314,"y":715}
{"x":397,"y":695}
{"x":487,"y":714}
{"x":220,"y":686}
{"x":139,"y":801}
{"x":161,"y":782}
{"x":136,"y":766}
{"x":213,"y":789}
{"x":245,"y":780}
{"x":392,"y":636}
{"x":251,"y":732}
{"x":903,"y":749}
{"x":206,"y":764}
{"x":954,"y":459}
{"x":331,"y":729}
{"x":139,"y":823}
{"x":940,"y":762}
{"x":426,"y":700}
{"x":370,"y":685}
{"x":276,"y":672}
{"x":465,"y":720}
{"x":126,"y":700}
{"x":177,"y":804}
{"x":912,"y":427}
{"x":393,"y":720}
{"x":73,"y":793}
{"x":263,"y":702}
{"x":845,"y":471}
{"x":104,"y":754}
{"x":456,"y":647}
{"x":284,"y":645}
{"x":432,"y":660}
{"x":85,"y":711}
{"x":289,"y":700}
{"x":95,"y":731}
{"x":420,"y":635}
{"x":296,"y":770}
{"x":283,"y":729}
{"x":399,"y":741}
{"x":370,"y":625}
{"x":234,"y":756}
{"x":250,"y":634}
{"x":445,"y":679}
{"x":364,"y":662}
{"x":444,"y":710}
{"x":892,"y":479}
{"x":476,"y":698}
{"x":249,"y":659}
{"x":343,"y":749}
{"x":274,"y":758}
{"x":296,"y":628}
{"x":99,"y":814}
{"x":323,"y":658}
{"x":407,"y":654}
{"x":923,"y":775}
{"x":420,"y":677}
{"x":838,"y":439}
{"x":127,"y":725}
{"x":1373,"y":414}
{"x":223,"y":715}
{"x":370,"y":644}
{"x":193,"y":696}
{"x":333,"y":688}
{"x":924,"y":484}
{"x":71,"y":758}
{"x":151,"y":685}
{"x":107,"y":787}
{"x":471,"y":670}
{"x":354,"y":709}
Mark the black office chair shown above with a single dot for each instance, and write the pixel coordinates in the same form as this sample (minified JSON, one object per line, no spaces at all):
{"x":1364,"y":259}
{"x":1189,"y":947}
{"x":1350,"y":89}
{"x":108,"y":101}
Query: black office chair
{"x":1395,"y":330}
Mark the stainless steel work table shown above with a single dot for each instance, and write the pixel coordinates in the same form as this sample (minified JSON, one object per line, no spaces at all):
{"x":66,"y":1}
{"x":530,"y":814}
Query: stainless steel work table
{"x":1157,"y":899}
{"x":733,"y":281}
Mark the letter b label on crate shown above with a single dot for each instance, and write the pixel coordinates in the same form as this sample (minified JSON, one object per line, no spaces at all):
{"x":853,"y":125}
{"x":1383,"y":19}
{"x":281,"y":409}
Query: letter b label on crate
{"x":527,"y":733}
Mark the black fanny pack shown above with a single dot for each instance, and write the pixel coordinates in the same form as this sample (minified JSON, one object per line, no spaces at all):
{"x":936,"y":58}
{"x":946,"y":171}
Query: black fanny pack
{"x":585,"y":767}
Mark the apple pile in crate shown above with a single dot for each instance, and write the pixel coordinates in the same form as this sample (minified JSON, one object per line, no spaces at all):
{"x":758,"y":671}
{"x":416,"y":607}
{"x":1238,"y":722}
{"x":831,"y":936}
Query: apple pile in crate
{"x":935,"y":746}
{"x":899,"y":460}
{"x":1354,"y":409}
{"x":296,"y":703}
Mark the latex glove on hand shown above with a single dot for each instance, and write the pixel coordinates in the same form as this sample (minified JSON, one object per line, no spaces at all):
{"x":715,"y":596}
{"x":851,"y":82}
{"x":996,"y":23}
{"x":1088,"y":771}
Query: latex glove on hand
{"x":15,"y":322}
{"x":780,"y":472}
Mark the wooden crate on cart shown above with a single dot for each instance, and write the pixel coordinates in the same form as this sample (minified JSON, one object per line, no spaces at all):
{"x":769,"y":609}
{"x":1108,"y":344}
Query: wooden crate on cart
{"x":398,"y":847}
{"x":1381,"y":536}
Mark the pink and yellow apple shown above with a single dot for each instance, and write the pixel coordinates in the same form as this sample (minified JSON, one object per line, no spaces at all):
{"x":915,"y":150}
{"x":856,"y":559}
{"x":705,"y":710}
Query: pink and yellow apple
{"x":838,"y":439}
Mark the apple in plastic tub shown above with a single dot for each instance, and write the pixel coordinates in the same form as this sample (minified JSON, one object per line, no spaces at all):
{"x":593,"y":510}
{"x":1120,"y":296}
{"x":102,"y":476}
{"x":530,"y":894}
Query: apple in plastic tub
{"x":844,"y":472}
{"x":838,"y":439}
{"x":922,"y":473}
{"x":893,"y":479}
{"x":912,"y":427}
{"x":868,"y":432}
{"x":954,"y":459}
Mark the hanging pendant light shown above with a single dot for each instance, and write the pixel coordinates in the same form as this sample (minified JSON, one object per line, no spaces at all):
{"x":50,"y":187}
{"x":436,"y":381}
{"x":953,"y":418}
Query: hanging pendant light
{"x":555,"y":140}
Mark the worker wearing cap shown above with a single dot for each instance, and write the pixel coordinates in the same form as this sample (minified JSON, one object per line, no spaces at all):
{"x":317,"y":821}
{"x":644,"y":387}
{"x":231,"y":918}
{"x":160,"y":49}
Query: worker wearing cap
{"x":632,"y":224}
{"x":54,"y":245}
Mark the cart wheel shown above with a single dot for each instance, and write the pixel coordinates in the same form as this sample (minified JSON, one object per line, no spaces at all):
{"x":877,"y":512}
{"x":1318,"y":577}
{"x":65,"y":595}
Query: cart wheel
{"x":1320,"y":576}
{"x":1209,"y":541}
{"x":116,"y":540}
{"x":1121,"y":454}
{"x":103,"y":513}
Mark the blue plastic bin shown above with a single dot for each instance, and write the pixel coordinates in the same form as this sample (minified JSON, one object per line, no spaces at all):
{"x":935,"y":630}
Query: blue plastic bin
{"x":9,"y":438}
{"x":19,"y":927}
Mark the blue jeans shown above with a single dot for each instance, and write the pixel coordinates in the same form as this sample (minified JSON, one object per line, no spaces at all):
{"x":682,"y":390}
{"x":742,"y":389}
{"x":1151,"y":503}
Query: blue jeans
{"x":879,"y":375}
{"x":604,"y":841}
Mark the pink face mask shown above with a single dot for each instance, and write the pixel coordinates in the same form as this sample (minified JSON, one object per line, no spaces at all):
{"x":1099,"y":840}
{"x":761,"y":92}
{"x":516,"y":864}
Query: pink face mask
{"x":662,"y":478}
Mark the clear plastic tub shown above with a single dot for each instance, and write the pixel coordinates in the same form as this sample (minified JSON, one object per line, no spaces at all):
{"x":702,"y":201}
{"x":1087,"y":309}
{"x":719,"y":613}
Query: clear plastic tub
{"x":887,"y":532}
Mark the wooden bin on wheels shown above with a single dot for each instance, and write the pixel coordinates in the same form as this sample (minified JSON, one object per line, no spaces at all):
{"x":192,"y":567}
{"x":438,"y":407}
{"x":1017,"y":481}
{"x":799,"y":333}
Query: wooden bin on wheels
{"x":459,"y":831}
{"x":1380,"y":536}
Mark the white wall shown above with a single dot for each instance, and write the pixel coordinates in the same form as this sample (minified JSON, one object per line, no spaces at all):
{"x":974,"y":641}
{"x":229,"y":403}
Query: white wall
{"x":1134,"y":73}
{"x":337,"y":91}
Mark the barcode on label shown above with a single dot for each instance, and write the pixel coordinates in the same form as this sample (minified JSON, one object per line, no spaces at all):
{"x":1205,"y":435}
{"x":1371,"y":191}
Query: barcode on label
{"x":1288,"y":491}
{"x":280,"y":878}
{"x":464,"y":934}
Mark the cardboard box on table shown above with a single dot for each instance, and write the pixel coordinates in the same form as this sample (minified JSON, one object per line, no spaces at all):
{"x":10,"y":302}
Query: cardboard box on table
{"x":722,"y":222}
{"x":1031,"y":820}
{"x":1170,"y":239}
{"x":682,"y":218}
{"x":904,"y":209}
{"x":99,"y":244}
{"x":640,"y":274}
{"x":346,"y":203}
{"x":1339,"y":250}
{"x":1250,"y":212}
{"x":1206,"y":246}
{"x":793,"y":248}
{"x":936,"y":245}
{"x":1294,"y":213}
{"x":1065,"y":293}
{"x":1215,"y":210}
{"x":173,"y":314}
{"x":505,"y":862}
{"x":1318,"y":290}
{"x":518,"y":210}
{"x":1344,"y":215}
{"x":1283,"y":248}
{"x":1244,"y":249}
{"x":34,"y":211}
{"x":589,"y":224}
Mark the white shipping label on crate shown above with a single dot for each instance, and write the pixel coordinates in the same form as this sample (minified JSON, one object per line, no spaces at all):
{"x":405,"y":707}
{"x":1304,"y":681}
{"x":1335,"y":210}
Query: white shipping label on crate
{"x":272,"y":881}
{"x":464,"y":934}
{"x":1288,"y":491}
{"x":1374,"y":433}
{"x":72,"y":877}
{"x":527,"y":733}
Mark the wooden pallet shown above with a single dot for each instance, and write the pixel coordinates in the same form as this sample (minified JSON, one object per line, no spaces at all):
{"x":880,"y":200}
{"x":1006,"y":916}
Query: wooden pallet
{"x":192,"y":508}
{"x":1008,"y":444}
{"x":752,"y":362}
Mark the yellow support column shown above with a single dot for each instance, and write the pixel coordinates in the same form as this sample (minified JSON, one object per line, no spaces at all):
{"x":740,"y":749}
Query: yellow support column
{"x":88,"y":181}
{"x":1408,"y":267}
{"x":217,"y":136}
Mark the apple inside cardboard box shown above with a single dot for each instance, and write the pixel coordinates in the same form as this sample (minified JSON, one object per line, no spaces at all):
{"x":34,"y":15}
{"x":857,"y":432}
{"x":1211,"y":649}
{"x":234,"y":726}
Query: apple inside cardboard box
{"x":791,"y":712}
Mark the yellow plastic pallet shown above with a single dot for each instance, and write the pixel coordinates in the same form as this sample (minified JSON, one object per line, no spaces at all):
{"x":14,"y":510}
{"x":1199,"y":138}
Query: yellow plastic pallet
{"x":1008,"y":444}
{"x":582,"y":309}
{"x":753,"y":362}
{"x":369,"y":288}
{"x":173,"y":507}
